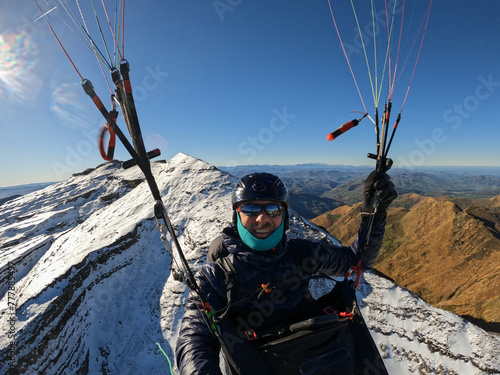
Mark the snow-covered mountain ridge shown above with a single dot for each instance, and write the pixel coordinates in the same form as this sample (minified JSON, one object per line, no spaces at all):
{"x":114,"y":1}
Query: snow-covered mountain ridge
{"x":86,"y":283}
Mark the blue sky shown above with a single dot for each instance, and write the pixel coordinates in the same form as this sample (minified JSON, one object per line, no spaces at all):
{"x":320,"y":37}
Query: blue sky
{"x":249,"y":82}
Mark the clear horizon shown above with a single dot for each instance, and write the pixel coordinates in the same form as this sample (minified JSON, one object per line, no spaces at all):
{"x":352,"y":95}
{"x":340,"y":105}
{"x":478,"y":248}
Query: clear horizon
{"x":443,"y":168}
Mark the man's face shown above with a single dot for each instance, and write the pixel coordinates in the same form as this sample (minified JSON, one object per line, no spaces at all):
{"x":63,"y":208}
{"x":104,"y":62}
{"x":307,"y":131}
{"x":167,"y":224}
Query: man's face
{"x":262,"y":225}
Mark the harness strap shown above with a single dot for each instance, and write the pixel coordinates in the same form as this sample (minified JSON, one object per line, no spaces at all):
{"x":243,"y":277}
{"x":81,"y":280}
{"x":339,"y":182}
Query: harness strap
{"x":357,"y":270}
{"x":230,"y":280}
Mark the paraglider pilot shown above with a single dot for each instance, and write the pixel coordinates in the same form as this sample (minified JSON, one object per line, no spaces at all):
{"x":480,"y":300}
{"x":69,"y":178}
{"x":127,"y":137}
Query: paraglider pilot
{"x":271,"y":273}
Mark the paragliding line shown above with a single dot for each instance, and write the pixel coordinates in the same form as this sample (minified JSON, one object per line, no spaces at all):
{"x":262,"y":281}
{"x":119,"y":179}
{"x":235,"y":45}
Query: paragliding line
{"x":399,"y":48}
{"x":124,"y":97}
{"x":160,"y":349}
{"x":364,"y":51}
{"x":418,"y":56}
{"x":383,"y":163}
{"x":112,"y":31}
{"x":101,"y":32}
{"x":58,"y":41}
{"x":347,"y":58}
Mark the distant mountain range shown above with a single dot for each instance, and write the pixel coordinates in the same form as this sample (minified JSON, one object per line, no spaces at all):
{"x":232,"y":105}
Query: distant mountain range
{"x":10,"y":192}
{"x":426,"y":184}
{"x":241,"y":170}
{"x":317,"y":188}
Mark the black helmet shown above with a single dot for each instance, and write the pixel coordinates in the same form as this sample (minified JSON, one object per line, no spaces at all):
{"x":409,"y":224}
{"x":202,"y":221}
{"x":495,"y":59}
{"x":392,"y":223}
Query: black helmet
{"x":260,"y":186}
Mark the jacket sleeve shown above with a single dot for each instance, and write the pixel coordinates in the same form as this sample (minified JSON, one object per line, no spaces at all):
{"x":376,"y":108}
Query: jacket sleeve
{"x":369,"y":254}
{"x":197,"y":350}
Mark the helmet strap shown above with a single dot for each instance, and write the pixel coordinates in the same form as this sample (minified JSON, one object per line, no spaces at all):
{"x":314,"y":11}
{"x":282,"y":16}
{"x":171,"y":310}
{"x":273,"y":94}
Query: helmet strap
{"x":259,"y":244}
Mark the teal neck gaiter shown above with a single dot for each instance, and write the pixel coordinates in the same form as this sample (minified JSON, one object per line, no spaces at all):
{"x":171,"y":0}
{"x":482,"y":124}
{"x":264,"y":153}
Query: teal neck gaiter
{"x":257,"y":243}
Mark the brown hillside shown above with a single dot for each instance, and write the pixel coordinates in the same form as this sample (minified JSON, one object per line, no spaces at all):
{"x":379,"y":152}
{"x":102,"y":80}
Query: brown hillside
{"x":494,"y":202}
{"x":463,"y":203}
{"x":449,"y":256}
{"x":342,"y":222}
{"x":409,"y":200}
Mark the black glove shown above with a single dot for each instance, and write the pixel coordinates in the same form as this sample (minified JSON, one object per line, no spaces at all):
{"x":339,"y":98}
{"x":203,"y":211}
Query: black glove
{"x":386,"y":193}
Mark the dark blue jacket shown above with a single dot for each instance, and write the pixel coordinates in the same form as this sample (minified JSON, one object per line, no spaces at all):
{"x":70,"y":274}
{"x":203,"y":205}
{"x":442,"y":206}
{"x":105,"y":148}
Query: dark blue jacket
{"x":285,"y":271}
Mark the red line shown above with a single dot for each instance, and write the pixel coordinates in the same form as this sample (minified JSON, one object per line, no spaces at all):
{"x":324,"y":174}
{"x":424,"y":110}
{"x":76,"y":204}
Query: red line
{"x":388,"y":46}
{"x":93,"y":49}
{"x":111,"y":28}
{"x":418,"y":55}
{"x":58,"y":41}
{"x":345,"y":54}
{"x":399,"y":47}
{"x":123,"y":30}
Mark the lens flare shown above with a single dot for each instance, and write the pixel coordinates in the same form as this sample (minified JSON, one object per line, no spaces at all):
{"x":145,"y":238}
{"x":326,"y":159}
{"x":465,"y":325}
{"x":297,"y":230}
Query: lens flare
{"x":18,"y":56}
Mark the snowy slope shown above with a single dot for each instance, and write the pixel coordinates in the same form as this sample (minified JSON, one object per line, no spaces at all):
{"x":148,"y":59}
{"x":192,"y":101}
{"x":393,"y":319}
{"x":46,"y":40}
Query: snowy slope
{"x":86,"y":283}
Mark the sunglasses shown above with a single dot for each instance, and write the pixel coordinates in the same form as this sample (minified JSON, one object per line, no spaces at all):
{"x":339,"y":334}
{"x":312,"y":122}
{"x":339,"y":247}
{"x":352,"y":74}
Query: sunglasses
{"x":271,"y":209}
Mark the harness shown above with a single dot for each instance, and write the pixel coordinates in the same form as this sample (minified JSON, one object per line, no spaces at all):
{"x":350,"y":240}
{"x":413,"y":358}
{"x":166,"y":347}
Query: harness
{"x":232,"y":285}
{"x":336,"y":340}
